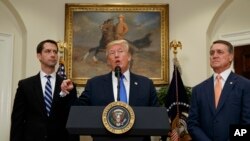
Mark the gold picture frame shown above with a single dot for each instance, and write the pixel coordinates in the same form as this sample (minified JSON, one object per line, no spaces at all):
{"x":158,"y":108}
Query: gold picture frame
{"x":148,"y":34}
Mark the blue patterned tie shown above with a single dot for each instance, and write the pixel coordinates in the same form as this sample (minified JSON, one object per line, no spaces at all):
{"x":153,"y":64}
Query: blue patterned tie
{"x":123,"y":95}
{"x":48,"y":94}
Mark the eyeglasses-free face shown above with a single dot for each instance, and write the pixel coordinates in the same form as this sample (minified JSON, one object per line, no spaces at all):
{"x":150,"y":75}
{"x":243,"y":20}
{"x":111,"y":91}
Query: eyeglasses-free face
{"x":118,"y":56}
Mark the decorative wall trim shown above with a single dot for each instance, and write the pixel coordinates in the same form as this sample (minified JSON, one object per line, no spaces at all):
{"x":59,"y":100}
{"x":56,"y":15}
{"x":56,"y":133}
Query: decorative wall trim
{"x":237,"y":38}
{"x":6,"y":63}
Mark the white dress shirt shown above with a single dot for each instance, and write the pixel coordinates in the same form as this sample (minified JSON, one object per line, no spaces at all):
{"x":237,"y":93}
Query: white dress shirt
{"x":44,"y":79}
{"x":126,"y":81}
{"x":224,"y":75}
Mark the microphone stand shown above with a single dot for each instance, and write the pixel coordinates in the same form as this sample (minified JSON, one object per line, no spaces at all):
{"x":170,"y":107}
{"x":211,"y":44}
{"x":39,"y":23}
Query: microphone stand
{"x":118,"y":75}
{"x":118,"y":87}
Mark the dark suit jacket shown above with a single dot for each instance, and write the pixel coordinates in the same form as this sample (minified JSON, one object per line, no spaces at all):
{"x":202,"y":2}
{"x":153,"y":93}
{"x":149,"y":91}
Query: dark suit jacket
{"x":99,"y":92}
{"x":205,"y":123}
{"x":29,"y":121}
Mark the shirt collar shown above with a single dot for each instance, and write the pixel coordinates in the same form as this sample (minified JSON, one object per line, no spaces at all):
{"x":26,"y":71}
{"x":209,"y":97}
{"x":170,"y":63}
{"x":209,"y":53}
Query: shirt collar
{"x":224,"y":74}
{"x":126,"y":75}
{"x":43,"y":74}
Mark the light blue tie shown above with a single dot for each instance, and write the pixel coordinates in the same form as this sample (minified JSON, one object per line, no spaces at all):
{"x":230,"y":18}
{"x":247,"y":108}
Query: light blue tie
{"x":123,"y":95}
{"x":48,"y":94}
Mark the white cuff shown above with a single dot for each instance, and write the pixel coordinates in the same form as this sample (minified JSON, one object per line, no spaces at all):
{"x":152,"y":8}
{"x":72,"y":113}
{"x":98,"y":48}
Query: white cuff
{"x":62,"y":94}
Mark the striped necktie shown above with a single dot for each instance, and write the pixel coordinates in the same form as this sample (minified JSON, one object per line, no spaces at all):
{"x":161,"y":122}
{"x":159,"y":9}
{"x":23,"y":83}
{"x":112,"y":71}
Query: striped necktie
{"x":48,"y":95}
{"x":123,"y":95}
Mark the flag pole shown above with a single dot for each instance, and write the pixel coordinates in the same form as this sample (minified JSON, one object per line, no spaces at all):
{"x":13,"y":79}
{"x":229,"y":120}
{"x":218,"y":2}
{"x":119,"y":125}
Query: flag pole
{"x":177,"y":102}
{"x":175,"y":45}
{"x":62,"y":46}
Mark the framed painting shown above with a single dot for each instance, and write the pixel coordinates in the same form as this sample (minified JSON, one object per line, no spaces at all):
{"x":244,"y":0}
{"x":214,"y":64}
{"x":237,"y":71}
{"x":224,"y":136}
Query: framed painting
{"x":148,"y":35}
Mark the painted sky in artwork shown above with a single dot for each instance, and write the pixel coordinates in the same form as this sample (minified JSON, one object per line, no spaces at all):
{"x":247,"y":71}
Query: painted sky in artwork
{"x":87,"y":32}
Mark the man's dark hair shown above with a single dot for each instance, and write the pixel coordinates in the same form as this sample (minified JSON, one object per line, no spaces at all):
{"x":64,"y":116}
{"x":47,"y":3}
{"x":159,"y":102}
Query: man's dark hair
{"x":39,"y":47}
{"x":228,"y":44}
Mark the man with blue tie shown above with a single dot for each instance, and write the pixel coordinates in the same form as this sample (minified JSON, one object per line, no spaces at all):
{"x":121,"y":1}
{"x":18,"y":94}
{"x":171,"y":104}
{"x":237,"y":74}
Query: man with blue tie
{"x":102,"y":90}
{"x":39,"y":112}
{"x":221,"y":100}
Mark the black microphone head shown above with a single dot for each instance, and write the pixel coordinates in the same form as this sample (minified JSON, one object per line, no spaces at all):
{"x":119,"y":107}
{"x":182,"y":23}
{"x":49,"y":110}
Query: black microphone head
{"x":117,"y":71}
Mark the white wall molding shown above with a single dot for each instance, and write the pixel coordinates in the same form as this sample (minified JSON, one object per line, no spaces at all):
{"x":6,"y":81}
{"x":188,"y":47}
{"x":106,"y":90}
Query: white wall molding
{"x":237,"y":38}
{"x":6,"y":63}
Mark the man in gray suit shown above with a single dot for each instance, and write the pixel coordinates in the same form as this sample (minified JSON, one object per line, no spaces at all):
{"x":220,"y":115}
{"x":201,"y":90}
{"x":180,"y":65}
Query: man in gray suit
{"x":102,"y":90}
{"x":221,"y":100}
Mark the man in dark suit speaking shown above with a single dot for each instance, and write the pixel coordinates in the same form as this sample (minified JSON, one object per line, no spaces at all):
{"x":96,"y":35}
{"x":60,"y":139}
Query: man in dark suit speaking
{"x":102,"y":90}
{"x":39,"y":112}
{"x":221,"y":100}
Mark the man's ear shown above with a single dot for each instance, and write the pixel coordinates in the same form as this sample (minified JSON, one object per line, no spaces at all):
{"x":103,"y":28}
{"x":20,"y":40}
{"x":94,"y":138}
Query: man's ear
{"x":129,"y":58}
{"x":231,"y":58}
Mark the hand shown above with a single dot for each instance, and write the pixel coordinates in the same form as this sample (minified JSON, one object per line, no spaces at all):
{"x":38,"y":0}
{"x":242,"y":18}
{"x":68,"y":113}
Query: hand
{"x":66,"y":86}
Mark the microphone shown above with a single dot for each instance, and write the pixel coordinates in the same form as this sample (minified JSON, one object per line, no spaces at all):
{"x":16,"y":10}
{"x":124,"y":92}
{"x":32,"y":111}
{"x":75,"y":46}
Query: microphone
{"x":118,"y":75}
{"x":118,"y":71}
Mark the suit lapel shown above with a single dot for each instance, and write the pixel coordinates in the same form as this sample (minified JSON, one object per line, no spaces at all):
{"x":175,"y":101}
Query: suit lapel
{"x":38,"y":91}
{"x":210,"y":94}
{"x":133,"y":89}
{"x":108,"y":86}
{"x":229,"y":84}
{"x":57,"y":91}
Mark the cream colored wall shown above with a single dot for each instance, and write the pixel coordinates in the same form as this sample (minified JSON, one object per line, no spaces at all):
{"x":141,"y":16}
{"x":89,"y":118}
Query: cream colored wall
{"x":234,"y":18}
{"x":189,"y":21}
{"x":10,"y":24}
{"x":10,"y":60}
{"x":233,"y":24}
{"x":194,"y":22}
